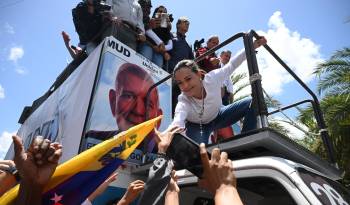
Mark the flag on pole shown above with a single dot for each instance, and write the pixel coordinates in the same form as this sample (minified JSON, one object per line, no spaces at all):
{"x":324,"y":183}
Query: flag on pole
{"x":74,"y":180}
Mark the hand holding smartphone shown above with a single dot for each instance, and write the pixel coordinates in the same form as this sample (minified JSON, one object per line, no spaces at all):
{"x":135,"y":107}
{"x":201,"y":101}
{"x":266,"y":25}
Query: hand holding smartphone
{"x":185,"y":153}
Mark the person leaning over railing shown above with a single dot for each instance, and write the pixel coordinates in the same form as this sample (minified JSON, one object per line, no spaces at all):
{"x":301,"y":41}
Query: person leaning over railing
{"x":199,"y":108}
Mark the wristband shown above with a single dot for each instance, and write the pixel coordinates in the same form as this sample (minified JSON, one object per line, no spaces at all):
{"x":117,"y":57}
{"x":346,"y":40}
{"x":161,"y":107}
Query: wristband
{"x":12,"y":170}
{"x":162,"y":155}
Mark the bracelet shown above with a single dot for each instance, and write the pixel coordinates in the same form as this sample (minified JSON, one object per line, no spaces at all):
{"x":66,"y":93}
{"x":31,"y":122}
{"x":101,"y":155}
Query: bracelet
{"x":162,"y":155}
{"x":13,"y":171}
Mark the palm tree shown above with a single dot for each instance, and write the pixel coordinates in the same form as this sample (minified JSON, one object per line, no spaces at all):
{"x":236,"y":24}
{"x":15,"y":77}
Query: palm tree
{"x":240,"y":83}
{"x":334,"y":86}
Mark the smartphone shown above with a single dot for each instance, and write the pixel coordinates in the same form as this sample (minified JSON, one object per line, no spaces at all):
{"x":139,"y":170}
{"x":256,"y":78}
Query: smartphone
{"x":185,"y":153}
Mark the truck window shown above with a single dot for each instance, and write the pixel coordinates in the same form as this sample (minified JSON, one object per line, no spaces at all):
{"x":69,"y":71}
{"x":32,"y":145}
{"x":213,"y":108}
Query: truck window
{"x":253,"y":191}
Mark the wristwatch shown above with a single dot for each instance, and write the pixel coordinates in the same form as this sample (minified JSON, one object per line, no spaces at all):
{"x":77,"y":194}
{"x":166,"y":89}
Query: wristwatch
{"x":12,"y":170}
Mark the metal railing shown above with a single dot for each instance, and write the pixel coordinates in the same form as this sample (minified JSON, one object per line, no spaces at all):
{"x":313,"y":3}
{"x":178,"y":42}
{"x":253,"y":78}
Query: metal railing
{"x":258,"y":103}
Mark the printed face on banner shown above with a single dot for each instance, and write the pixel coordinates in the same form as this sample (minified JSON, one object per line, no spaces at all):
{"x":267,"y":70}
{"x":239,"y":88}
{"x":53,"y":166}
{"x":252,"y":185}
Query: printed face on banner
{"x":119,"y":99}
{"x":128,"y":99}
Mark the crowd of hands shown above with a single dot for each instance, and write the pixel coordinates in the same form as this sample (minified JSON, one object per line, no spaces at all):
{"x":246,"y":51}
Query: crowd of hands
{"x":37,"y":164}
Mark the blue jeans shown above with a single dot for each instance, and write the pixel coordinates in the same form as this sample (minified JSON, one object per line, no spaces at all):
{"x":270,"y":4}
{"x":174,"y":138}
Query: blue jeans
{"x":227,"y":116}
{"x":147,"y":51}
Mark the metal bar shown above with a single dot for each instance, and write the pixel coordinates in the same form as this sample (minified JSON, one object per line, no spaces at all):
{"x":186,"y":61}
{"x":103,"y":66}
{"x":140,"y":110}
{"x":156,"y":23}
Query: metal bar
{"x":259,"y":105}
{"x":149,"y":93}
{"x":318,"y":114}
{"x":290,"y":106}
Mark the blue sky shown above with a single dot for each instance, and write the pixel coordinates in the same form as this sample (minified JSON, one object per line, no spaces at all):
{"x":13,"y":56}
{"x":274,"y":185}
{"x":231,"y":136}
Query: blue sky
{"x":32,"y":53}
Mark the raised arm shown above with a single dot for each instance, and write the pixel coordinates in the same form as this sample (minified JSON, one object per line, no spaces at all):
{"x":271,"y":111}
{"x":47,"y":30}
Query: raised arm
{"x":234,"y":63}
{"x":219,"y":178}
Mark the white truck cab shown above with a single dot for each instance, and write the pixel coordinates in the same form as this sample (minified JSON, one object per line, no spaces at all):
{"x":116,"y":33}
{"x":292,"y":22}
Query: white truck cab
{"x":271,"y":180}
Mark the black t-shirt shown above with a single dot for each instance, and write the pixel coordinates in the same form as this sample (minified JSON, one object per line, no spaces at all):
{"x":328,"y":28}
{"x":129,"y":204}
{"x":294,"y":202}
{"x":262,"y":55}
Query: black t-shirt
{"x":87,"y":25}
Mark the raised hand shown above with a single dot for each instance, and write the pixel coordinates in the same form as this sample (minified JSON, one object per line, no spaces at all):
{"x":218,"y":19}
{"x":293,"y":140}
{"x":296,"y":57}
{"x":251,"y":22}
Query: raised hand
{"x":37,"y":165}
{"x":218,"y":177}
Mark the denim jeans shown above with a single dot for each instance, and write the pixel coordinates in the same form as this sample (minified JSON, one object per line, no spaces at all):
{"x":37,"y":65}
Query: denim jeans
{"x":147,"y":51}
{"x":227,"y":116}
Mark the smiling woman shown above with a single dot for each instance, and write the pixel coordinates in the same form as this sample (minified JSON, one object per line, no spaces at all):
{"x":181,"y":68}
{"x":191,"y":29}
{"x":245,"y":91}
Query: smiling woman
{"x":199,"y":108}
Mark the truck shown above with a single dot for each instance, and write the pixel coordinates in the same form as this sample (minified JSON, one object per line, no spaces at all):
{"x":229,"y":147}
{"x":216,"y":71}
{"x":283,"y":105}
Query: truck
{"x":78,"y":111}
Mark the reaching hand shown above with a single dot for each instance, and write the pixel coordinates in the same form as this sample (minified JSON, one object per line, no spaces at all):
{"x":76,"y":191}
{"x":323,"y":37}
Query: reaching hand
{"x":217,"y":171}
{"x":173,"y":187}
{"x":134,"y":189}
{"x":260,"y":42}
{"x":172,"y":194}
{"x":65,"y":37}
{"x":218,"y":177}
{"x":37,"y":165}
{"x":214,"y":61}
{"x":141,"y":37}
{"x":161,"y":48}
{"x":6,"y":164}
{"x":164,"y":139}
{"x":166,"y":56}
{"x":7,"y":179}
{"x":103,"y":186}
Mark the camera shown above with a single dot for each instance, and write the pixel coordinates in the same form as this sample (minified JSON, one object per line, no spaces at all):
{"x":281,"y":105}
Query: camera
{"x":163,"y":19}
{"x":198,"y":44}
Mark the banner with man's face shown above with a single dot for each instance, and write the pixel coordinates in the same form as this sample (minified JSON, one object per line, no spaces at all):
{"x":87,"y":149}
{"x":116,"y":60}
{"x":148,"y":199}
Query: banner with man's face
{"x":119,"y":98}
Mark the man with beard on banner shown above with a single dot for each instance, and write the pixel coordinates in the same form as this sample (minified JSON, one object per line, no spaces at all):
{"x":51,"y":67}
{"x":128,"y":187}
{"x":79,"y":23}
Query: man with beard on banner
{"x":74,"y":180}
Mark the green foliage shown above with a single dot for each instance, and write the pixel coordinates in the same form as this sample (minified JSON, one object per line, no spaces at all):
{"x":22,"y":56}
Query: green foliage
{"x":279,"y":128}
{"x":334,"y":84}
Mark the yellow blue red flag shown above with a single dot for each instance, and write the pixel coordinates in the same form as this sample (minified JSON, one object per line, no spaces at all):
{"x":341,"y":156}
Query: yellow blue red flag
{"x":74,"y":180}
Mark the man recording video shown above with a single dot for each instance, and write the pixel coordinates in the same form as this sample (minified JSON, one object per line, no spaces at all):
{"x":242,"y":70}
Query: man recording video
{"x":88,"y":21}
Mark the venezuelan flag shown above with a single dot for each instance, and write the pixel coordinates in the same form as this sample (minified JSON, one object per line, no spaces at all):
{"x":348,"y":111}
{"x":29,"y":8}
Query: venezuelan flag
{"x":74,"y":180}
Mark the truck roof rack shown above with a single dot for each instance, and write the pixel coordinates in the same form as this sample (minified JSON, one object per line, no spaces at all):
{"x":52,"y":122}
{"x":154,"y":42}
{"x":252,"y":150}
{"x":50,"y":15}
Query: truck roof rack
{"x":267,"y":142}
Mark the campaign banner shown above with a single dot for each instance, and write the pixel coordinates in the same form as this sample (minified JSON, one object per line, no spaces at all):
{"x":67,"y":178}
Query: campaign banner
{"x":119,"y":97}
{"x":61,"y":117}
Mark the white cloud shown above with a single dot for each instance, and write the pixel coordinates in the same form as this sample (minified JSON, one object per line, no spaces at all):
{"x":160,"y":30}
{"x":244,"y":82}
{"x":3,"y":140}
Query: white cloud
{"x":6,"y":140}
{"x":16,"y":53}
{"x":2,"y":92}
{"x":20,"y":70}
{"x":9,"y":29}
{"x":299,"y":53}
{"x":295,"y":133}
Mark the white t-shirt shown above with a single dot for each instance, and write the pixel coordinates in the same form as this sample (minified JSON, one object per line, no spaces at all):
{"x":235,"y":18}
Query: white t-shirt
{"x":227,"y":82}
{"x":188,"y":108}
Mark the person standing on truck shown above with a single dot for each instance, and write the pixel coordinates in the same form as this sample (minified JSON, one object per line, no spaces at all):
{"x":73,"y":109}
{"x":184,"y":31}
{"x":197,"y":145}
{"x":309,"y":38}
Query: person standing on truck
{"x":199,"y":108}
{"x":211,"y":61}
{"x":127,"y":18}
{"x":88,"y":19}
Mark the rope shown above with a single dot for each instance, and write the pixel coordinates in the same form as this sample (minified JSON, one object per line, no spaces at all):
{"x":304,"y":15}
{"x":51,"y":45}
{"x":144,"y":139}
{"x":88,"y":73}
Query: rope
{"x":254,"y":77}
{"x":291,"y":121}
